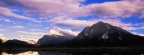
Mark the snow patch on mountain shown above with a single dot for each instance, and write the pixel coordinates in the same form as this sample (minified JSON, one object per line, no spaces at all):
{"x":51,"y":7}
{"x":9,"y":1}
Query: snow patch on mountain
{"x":57,"y":35}
{"x":62,"y":32}
{"x":105,"y":35}
{"x":55,"y":31}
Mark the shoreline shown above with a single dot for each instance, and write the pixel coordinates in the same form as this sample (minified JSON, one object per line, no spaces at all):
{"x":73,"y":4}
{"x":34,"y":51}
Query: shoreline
{"x":99,"y":49}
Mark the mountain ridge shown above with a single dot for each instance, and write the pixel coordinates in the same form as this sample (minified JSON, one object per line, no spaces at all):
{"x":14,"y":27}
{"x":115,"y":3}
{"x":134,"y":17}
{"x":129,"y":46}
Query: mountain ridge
{"x":56,"y":35}
{"x":104,"y":34}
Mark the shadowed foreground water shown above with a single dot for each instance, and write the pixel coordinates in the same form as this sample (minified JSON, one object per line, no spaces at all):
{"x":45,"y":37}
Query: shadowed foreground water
{"x":67,"y":53}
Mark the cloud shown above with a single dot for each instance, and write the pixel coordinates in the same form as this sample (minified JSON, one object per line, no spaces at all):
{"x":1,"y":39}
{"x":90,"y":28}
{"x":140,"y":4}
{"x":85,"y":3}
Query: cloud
{"x":76,"y":8}
{"x":35,"y":25}
{"x":0,"y":25}
{"x":50,"y":7}
{"x":7,"y":12}
{"x":136,"y":33}
{"x":2,"y":29}
{"x":140,"y":25}
{"x":117,"y":9}
{"x":2,"y":37}
{"x":65,"y":21}
{"x":75,"y":23}
{"x":85,"y":23}
{"x":5,"y":20}
{"x":18,"y":27}
{"x":37,"y":30}
{"x":30,"y":35}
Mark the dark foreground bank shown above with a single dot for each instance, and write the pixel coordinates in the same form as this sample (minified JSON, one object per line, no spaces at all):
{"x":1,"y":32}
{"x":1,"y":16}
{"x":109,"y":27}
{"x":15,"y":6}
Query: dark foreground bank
{"x":99,"y":49}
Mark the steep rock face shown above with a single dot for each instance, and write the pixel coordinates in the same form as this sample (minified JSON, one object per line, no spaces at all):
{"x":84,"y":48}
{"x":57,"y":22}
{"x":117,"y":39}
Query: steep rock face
{"x":98,"y":29}
{"x":103,"y":33}
{"x":51,"y":39}
{"x":55,"y":35}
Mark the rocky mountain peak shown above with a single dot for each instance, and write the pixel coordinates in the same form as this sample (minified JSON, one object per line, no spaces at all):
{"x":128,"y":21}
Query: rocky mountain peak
{"x":56,"y":35}
{"x":104,"y":34}
{"x":100,"y":28}
{"x":55,"y":31}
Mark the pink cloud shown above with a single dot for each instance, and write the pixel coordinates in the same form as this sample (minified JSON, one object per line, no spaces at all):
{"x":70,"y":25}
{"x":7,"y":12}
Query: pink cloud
{"x":5,"y":20}
{"x":18,"y":27}
{"x":8,"y":12}
{"x":136,"y":33}
{"x":3,"y":37}
{"x":2,"y":29}
{"x":117,"y":9}
{"x":50,"y":7}
{"x":84,"y":23}
{"x":30,"y":35}
{"x":140,"y":25}
{"x":74,"y":8}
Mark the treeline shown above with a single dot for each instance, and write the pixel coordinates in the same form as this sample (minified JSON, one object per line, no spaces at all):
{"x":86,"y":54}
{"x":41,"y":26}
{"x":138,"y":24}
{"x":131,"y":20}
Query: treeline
{"x":85,"y":42}
{"x":15,"y":44}
{"x":97,"y":42}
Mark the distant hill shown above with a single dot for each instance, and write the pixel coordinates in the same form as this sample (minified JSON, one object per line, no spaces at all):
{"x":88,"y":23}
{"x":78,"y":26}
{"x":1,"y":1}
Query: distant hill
{"x":16,"y":43}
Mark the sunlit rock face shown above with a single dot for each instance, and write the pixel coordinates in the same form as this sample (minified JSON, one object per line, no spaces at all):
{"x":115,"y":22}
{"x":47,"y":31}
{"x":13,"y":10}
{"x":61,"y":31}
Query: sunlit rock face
{"x":57,"y":35}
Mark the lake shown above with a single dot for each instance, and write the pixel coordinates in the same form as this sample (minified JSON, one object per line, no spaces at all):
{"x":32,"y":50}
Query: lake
{"x":68,"y":53}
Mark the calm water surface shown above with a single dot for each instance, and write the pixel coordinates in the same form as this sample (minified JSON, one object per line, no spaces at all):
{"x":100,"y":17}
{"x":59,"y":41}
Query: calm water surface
{"x":67,"y":53}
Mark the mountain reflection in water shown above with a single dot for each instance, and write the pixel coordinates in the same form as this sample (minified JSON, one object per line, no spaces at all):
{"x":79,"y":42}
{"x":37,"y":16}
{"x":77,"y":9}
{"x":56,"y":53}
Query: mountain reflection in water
{"x":68,"y":53}
{"x":21,"y":53}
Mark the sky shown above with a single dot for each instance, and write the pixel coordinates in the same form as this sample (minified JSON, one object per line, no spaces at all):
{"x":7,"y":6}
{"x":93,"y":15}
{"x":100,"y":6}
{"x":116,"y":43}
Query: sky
{"x":31,"y":19}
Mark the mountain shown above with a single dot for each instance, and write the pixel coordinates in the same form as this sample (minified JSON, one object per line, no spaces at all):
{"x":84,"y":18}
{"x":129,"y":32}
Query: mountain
{"x":56,"y":35}
{"x":104,"y":34}
{"x":28,"y":41}
{"x":15,"y":42}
